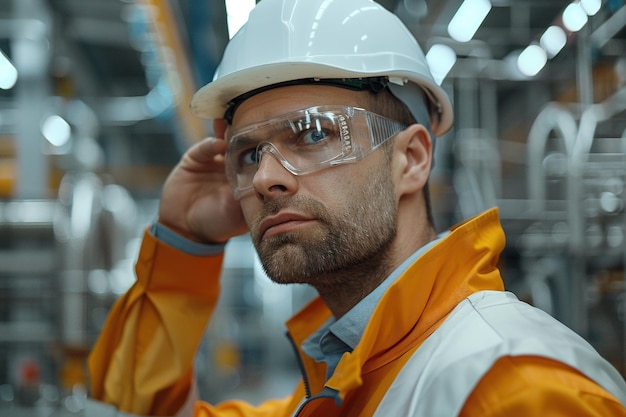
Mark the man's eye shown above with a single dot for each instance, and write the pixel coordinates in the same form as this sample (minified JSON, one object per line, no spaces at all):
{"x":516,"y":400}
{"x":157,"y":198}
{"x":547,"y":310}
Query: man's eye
{"x":249,"y":157}
{"x":314,"y":136}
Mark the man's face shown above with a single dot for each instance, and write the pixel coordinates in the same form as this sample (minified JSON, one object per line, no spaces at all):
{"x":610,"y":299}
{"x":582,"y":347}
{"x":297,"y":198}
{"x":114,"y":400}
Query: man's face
{"x":310,"y":227}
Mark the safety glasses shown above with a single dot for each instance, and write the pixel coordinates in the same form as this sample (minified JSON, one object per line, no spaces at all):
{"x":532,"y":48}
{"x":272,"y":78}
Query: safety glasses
{"x":306,"y":141}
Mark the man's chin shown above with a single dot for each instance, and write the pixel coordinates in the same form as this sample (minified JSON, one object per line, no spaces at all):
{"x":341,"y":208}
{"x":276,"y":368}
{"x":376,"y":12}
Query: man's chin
{"x":286,"y":261}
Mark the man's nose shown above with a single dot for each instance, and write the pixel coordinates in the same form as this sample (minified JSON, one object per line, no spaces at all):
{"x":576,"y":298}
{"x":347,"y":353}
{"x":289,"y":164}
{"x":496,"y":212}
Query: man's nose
{"x":272,"y":179}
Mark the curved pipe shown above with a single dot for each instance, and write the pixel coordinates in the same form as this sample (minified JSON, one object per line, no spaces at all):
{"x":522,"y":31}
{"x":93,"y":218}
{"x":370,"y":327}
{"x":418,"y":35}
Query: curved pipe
{"x":589,"y":120}
{"x":553,"y":117}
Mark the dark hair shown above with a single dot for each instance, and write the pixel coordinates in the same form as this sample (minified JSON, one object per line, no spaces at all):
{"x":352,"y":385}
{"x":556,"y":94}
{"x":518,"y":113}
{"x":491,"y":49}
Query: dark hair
{"x":386,"y":104}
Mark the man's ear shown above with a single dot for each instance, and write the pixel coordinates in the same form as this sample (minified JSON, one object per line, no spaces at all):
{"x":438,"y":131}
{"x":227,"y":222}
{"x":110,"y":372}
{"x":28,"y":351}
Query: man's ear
{"x":412,"y":159}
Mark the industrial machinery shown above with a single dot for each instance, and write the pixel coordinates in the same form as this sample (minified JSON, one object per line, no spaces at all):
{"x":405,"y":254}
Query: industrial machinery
{"x":94,"y":114}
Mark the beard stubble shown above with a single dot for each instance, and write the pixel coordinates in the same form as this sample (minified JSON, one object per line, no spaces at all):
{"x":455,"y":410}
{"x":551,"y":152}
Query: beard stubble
{"x":343,"y":247}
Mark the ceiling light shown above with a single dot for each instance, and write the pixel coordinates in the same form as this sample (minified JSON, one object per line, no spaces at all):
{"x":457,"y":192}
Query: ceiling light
{"x":441,"y":59}
{"x":237,"y":12}
{"x":574,"y":17}
{"x":8,"y":73}
{"x":591,"y":7}
{"x":56,"y":130}
{"x":532,"y":60}
{"x":468,"y":19}
{"x":553,"y":40}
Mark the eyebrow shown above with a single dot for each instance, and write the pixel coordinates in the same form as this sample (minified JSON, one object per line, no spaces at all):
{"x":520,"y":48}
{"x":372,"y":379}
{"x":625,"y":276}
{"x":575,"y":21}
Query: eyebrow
{"x":244,"y":141}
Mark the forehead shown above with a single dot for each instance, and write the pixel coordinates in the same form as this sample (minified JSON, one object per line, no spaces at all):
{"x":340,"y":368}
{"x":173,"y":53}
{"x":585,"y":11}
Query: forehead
{"x":283,"y":100}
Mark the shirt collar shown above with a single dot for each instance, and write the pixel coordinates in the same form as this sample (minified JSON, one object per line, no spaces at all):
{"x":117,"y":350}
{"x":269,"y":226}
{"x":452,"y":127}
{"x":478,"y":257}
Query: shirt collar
{"x":336,"y":337}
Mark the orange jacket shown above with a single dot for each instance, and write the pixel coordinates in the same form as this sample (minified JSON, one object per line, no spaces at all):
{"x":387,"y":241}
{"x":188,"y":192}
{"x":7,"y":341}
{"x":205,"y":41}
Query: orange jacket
{"x":143,"y":359}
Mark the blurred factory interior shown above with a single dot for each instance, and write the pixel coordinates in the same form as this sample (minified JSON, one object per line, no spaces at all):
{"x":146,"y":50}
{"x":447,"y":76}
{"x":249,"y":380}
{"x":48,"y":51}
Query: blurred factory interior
{"x":94,"y":113}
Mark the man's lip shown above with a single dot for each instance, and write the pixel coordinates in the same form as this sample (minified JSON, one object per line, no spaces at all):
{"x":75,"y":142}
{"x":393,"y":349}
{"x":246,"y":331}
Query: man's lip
{"x":273,"y":224}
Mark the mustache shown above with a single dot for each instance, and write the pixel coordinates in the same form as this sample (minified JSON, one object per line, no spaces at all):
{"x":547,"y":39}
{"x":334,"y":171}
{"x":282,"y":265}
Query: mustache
{"x":307,"y":206}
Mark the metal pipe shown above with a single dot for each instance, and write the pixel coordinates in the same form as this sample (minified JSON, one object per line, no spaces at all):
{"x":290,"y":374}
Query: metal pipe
{"x":589,"y":120}
{"x":31,"y":56}
{"x":609,"y":28}
{"x":552,"y":118}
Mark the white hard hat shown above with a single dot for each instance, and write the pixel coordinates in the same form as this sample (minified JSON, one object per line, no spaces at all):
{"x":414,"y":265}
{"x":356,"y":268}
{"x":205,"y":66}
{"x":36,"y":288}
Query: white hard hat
{"x":288,"y":40}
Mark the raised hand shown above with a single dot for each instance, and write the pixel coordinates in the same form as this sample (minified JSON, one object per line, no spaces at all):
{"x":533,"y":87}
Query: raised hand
{"x":197,"y":201}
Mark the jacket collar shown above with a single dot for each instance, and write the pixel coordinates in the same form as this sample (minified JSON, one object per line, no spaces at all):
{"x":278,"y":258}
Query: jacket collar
{"x":464,"y":262}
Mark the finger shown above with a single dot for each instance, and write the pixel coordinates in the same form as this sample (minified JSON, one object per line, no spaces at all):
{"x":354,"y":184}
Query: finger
{"x":219,"y":127}
{"x":207,"y":149}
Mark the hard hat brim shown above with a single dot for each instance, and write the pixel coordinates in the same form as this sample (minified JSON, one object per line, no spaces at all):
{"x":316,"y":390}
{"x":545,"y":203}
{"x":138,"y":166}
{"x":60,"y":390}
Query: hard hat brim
{"x":210,"y":102}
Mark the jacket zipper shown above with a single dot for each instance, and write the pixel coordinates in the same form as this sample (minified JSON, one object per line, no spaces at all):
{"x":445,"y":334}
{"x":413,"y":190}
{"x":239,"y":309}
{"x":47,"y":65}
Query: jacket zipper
{"x":308,"y":398}
{"x":305,"y":381}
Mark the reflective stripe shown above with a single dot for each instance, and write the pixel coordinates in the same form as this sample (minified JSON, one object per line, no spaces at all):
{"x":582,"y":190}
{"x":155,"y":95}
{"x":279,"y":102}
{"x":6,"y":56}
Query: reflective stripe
{"x":486,"y":326}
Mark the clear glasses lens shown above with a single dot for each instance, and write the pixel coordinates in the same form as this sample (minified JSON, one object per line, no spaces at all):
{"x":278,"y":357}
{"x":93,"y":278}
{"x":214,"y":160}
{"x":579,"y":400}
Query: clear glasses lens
{"x":306,"y":141}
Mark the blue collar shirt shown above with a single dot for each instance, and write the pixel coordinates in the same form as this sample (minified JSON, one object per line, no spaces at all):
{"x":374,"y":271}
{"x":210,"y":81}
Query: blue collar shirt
{"x":336,"y":337}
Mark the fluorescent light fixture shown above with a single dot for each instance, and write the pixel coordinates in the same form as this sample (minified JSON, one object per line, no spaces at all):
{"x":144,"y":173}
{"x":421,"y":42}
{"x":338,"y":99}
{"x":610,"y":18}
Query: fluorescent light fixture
{"x":531,"y":60}
{"x":237,"y":12}
{"x":441,"y":59}
{"x":553,"y":40}
{"x":591,"y":7}
{"x":468,"y":19}
{"x":8,"y":73}
{"x":56,"y":130}
{"x":574,"y":17}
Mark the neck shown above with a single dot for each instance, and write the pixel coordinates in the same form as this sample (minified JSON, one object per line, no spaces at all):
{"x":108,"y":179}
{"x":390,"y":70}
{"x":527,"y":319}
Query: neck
{"x":344,"y":289}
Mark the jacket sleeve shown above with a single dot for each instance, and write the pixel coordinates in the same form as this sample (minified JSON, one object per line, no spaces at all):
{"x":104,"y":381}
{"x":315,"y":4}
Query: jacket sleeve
{"x":142,"y":361}
{"x":524,"y":386}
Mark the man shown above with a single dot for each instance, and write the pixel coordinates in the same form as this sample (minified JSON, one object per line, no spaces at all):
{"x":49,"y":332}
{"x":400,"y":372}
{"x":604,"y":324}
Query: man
{"x":329,"y":116}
